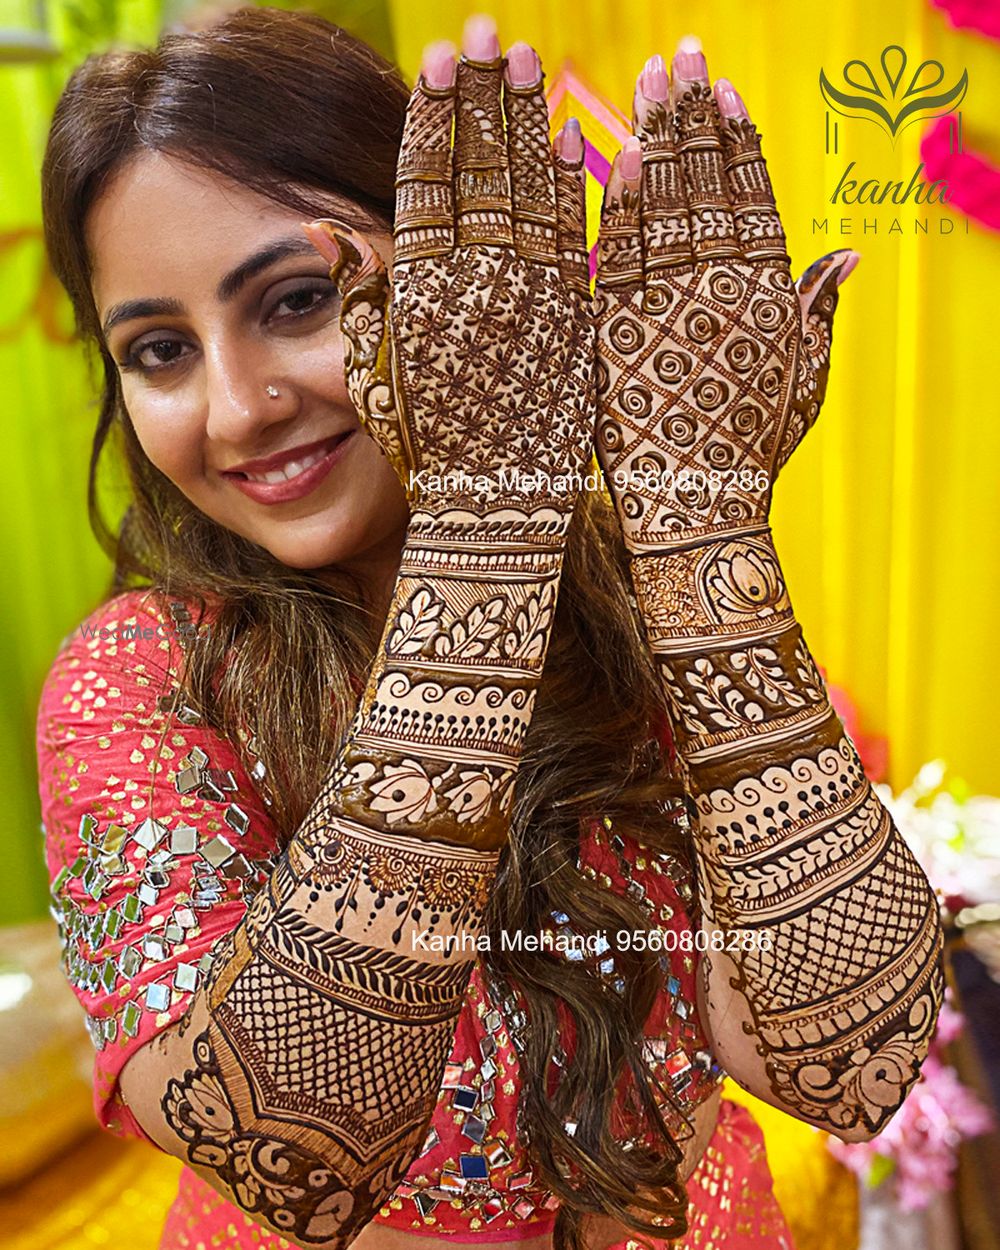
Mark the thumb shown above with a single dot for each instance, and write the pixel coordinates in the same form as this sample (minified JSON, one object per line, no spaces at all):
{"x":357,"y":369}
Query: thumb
{"x":353,"y":261}
{"x":819,"y":290}
{"x":358,"y":270}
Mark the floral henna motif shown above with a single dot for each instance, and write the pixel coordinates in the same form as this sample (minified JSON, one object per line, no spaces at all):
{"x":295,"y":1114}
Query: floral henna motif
{"x":710,"y":373}
{"x":314,"y":1061}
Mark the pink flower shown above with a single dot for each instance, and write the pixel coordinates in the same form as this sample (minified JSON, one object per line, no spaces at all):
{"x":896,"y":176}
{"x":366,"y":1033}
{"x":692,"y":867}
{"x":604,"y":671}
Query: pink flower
{"x":982,"y":15}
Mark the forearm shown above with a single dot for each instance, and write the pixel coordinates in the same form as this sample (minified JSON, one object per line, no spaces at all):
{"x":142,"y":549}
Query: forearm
{"x":838,"y":959}
{"x":330,"y":1011}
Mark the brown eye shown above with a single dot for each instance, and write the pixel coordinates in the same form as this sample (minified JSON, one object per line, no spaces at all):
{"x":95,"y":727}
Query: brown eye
{"x":149,"y":355}
{"x":303,"y":300}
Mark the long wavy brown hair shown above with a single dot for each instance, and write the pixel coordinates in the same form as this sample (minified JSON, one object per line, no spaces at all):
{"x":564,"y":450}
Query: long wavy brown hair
{"x":300,"y":111}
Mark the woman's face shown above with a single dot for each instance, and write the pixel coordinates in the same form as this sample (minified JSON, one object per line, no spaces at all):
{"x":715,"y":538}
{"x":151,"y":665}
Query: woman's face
{"x":224,"y":323}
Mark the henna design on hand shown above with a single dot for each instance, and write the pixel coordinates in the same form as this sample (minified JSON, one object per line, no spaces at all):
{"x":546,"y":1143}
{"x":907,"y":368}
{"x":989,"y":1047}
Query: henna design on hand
{"x":712,"y":364}
{"x":710,"y":359}
{"x":314,"y":1055}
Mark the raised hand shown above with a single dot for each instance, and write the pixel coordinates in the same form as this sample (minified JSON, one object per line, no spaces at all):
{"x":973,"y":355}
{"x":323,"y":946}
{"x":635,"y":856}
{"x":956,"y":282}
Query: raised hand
{"x":477,"y":379}
{"x":823,"y":977}
{"x":712,"y":363}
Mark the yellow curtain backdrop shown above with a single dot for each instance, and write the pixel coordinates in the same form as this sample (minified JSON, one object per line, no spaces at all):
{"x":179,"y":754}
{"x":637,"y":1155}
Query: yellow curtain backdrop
{"x":887,"y":517}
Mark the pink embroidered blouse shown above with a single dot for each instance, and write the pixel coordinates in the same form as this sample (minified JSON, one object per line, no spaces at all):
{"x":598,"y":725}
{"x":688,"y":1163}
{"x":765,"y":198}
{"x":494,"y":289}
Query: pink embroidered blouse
{"x":158,"y":835}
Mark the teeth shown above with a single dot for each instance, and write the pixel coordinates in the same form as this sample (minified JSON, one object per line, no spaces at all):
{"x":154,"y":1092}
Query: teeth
{"x":292,"y":469}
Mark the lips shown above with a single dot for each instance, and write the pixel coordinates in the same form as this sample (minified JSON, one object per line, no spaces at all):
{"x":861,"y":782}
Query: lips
{"x":293,"y":476}
{"x":288,"y":464}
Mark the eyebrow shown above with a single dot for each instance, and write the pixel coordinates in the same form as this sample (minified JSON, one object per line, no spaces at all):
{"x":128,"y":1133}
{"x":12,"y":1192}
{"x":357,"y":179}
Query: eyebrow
{"x":229,"y":286}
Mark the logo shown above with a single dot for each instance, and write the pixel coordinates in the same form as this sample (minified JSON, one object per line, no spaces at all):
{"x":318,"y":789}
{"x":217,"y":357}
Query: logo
{"x":892,"y":94}
{"x":891,"y":97}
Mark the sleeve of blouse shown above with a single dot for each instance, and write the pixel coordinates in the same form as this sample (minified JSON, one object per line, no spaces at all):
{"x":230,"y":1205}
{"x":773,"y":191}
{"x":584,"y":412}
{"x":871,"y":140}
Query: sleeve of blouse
{"x":156,"y":838}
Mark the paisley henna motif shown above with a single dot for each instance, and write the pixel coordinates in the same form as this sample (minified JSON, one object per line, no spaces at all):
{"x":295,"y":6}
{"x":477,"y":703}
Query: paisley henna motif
{"x":313,"y":1061}
{"x":710,"y":376}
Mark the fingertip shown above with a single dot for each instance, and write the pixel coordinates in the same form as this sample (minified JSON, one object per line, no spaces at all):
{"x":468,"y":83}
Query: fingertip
{"x":689,"y":63}
{"x":320,"y":235}
{"x":480,"y":41}
{"x":630,"y":160}
{"x":568,"y":142}
{"x":729,"y":100}
{"x":524,"y":69}
{"x":848,"y":266}
{"x":437,"y":67}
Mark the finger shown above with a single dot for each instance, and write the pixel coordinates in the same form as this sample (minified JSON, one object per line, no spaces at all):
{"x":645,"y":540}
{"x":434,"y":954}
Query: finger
{"x":818,"y":291}
{"x":482,"y":185}
{"x":666,"y":231}
{"x":758,"y":226}
{"x":571,"y":208}
{"x":619,"y":242}
{"x":424,"y":213}
{"x":699,"y":143}
{"x":357,"y":269}
{"x":532,"y":177}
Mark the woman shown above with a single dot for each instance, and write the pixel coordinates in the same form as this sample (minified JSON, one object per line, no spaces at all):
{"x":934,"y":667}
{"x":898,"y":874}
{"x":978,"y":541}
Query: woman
{"x":431,"y":963}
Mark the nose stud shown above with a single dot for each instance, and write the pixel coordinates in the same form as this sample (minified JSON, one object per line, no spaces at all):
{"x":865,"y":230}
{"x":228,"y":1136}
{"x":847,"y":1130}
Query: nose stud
{"x":272,"y":392}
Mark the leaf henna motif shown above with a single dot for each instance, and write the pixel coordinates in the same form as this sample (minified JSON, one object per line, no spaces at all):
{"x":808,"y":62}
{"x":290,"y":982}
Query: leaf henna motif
{"x":709,"y":378}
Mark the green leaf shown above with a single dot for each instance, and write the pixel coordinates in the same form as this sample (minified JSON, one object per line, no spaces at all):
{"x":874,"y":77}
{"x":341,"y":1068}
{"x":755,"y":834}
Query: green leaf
{"x":881,"y":1169}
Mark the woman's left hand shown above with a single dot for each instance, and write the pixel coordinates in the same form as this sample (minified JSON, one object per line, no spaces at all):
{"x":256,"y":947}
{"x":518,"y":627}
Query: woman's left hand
{"x":712,"y":364}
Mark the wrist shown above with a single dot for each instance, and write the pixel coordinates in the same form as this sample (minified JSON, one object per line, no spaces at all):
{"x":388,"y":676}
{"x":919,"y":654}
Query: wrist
{"x":524,"y":526}
{"x":729,"y":586}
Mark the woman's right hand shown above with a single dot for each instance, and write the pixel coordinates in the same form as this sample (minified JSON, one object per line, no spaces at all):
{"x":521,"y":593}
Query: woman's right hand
{"x":476,"y":379}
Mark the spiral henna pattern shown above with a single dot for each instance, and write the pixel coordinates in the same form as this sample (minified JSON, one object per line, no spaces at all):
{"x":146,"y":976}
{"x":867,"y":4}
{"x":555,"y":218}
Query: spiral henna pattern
{"x":707,"y":367}
{"x":476,"y":376}
{"x":696,"y":383}
{"x":708,"y":377}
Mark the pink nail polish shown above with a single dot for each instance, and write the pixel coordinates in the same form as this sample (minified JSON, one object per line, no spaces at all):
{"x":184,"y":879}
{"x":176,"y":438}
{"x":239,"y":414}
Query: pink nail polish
{"x":523,"y":65}
{"x":569,"y":142}
{"x":729,"y":99}
{"x":438,"y":67}
{"x":479,"y":38}
{"x":847,"y":267}
{"x":630,"y":160}
{"x":689,"y":60}
{"x":654,"y":83}
{"x":318,"y":235}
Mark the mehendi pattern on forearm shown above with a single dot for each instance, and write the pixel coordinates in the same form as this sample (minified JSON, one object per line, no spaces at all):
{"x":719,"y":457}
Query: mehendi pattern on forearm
{"x":405,"y":836}
{"x":712,"y":366}
{"x":319,"y":1044}
{"x":793,"y":842}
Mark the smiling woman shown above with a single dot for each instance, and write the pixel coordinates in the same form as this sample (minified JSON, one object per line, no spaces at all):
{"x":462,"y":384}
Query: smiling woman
{"x":174,"y":203}
{"x":231,"y":369}
{"x":429,"y":711}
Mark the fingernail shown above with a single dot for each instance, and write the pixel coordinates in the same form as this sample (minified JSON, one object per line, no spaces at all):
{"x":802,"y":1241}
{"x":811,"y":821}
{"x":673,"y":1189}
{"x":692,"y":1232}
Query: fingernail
{"x":479,"y":38}
{"x":689,"y":60}
{"x":848,"y":267}
{"x":438,"y":66}
{"x":654,"y":82}
{"x":524,"y":69}
{"x":569,"y":142}
{"x":630,"y":164}
{"x":729,"y":100}
{"x":318,"y":234}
